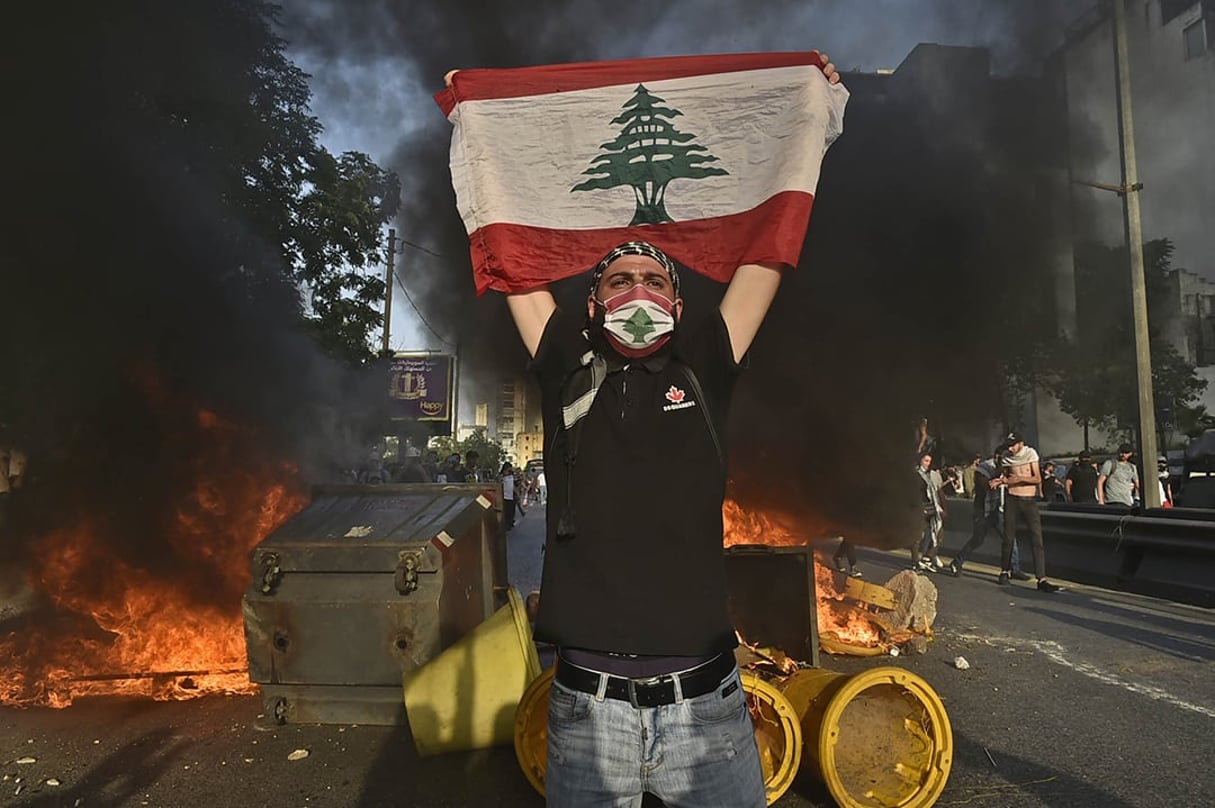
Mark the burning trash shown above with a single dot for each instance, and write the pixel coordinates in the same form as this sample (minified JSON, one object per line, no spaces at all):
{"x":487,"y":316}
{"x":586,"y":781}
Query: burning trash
{"x":99,"y":621}
{"x":865,"y":619}
{"x":852,"y":616}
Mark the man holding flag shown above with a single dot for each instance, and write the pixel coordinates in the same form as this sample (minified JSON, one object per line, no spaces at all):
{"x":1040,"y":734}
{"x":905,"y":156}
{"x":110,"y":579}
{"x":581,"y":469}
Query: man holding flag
{"x":647,"y":696}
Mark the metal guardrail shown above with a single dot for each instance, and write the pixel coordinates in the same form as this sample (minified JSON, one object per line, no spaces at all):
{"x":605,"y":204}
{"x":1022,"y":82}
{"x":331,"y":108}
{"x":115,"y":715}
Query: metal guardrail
{"x":1166,"y":553}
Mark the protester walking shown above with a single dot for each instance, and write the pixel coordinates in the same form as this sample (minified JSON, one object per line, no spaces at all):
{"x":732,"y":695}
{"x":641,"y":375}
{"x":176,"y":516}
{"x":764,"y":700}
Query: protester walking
{"x":1022,"y":481}
{"x":988,"y":515}
{"x":925,"y":553}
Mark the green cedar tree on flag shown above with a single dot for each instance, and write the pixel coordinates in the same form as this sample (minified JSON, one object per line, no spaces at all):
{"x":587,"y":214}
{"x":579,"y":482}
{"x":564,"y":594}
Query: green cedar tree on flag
{"x":715,"y":159}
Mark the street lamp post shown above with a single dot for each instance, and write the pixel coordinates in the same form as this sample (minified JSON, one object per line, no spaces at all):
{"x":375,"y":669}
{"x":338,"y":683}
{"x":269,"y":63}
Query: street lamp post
{"x":1134,"y":244}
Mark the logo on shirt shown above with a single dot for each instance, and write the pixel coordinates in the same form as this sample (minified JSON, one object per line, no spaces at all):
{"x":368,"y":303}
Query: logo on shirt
{"x":678,"y":399}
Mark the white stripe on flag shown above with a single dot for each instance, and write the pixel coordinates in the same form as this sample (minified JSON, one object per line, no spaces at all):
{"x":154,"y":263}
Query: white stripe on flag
{"x":523,"y":156}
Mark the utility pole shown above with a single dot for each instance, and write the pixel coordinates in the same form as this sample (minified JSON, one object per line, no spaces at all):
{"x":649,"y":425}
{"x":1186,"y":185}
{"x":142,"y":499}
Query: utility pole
{"x":388,"y":279}
{"x":1134,"y":245}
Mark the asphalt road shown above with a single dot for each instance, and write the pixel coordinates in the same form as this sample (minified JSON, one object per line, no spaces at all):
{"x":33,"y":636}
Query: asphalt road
{"x":1083,"y":698}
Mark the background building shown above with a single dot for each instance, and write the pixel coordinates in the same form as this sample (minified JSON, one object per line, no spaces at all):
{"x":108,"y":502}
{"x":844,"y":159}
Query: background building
{"x":1171,"y":46}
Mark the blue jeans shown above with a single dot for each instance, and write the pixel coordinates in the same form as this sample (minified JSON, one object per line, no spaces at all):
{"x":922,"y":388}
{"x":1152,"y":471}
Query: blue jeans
{"x":695,"y":753}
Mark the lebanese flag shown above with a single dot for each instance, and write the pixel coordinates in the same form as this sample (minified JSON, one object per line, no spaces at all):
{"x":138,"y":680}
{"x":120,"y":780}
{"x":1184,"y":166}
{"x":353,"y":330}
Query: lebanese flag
{"x":714,"y":159}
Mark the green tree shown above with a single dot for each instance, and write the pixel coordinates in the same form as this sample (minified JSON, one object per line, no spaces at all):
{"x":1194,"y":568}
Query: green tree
{"x":1093,"y":376}
{"x":333,"y":240}
{"x":490,"y":451}
{"x":324,"y":214}
{"x":665,"y":154}
{"x":192,"y":116}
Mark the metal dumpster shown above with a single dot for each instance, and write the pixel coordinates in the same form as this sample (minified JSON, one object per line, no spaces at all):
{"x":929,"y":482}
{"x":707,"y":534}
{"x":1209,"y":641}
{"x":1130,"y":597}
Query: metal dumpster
{"x":772,"y":597}
{"x":364,"y":584}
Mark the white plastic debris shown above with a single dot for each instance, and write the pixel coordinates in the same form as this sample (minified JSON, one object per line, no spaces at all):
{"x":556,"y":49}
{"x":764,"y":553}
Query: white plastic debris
{"x":53,"y":781}
{"x":25,"y":760}
{"x":961,"y":664}
{"x":894,"y":651}
{"x":298,"y":754}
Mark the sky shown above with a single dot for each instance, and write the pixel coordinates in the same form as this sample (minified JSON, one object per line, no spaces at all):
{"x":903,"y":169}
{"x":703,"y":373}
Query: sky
{"x":375,"y":65}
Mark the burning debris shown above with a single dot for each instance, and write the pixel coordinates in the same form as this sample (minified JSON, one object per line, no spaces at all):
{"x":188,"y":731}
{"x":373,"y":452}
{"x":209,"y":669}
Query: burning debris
{"x":102,"y":622}
{"x":860,"y":618}
{"x":868,"y":620}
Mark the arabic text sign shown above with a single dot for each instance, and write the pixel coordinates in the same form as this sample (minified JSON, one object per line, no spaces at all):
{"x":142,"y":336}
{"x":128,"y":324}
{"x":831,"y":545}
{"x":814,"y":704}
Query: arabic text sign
{"x":419,"y":387}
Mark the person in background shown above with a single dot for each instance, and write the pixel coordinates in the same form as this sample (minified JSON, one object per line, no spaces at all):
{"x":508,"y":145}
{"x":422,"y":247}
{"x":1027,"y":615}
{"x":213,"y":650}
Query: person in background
{"x":1118,"y":482}
{"x":508,"y":495}
{"x":521,"y":490}
{"x":923,"y":441}
{"x":412,"y":470}
{"x":1052,"y":488}
{"x":452,"y":471}
{"x":1162,"y":474}
{"x":1081,"y":482}
{"x":988,"y":515}
{"x":968,"y":477}
{"x":925,"y":553}
{"x":430,"y":464}
{"x":472,"y":466}
{"x":953,"y":481}
{"x":846,"y":550}
{"x":541,"y":487}
{"x":1022,"y":481}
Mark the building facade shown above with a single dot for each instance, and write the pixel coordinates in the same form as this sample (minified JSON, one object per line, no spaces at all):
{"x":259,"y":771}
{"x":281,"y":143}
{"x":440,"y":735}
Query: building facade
{"x":1171,"y":56}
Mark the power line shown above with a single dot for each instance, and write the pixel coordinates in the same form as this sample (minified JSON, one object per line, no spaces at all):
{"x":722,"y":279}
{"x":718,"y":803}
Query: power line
{"x":418,"y":312}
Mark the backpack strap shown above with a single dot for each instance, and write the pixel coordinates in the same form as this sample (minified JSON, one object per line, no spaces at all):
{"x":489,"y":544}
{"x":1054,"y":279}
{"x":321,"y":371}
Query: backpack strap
{"x":694,"y":383}
{"x":581,"y":388}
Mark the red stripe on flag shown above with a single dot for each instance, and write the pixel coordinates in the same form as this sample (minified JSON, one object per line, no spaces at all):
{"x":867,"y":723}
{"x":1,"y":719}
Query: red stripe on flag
{"x":770,"y":233}
{"x":483,"y":84}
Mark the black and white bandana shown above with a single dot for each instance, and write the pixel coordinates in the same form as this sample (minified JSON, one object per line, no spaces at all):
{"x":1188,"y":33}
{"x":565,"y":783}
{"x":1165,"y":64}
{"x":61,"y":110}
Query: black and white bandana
{"x":635,"y":248}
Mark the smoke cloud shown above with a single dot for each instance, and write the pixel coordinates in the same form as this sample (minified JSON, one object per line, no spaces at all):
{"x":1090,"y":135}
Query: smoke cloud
{"x":123,"y":315}
{"x":932,"y":214}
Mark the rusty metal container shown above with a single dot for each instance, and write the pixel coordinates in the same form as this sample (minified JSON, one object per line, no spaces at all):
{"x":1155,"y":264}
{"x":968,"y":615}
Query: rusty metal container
{"x":772,"y":598}
{"x":363,"y":585}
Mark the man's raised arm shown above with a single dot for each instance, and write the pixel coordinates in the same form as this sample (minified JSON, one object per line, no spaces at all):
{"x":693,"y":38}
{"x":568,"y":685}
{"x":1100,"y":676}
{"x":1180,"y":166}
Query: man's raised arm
{"x":753,"y":287}
{"x":746,"y":303}
{"x":531,"y":311}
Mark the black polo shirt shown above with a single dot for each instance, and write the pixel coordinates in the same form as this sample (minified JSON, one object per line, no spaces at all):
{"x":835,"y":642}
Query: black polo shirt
{"x":645,"y":573}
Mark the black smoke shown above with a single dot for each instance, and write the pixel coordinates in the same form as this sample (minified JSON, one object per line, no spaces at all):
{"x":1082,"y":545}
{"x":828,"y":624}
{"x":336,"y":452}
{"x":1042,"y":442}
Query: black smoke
{"x":127,"y":276}
{"x":930,"y":256}
{"x":143,"y":311}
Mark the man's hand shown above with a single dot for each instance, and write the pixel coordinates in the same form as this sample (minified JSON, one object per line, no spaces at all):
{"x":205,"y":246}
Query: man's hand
{"x":828,"y":68}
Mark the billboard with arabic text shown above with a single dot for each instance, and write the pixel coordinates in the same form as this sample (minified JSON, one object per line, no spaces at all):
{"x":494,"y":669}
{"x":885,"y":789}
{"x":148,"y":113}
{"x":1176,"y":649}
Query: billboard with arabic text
{"x":420,"y":387}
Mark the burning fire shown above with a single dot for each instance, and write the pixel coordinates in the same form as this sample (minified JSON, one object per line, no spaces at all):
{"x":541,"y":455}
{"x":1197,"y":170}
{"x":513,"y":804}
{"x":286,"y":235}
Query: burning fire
{"x":114,"y":628}
{"x":837,"y":617}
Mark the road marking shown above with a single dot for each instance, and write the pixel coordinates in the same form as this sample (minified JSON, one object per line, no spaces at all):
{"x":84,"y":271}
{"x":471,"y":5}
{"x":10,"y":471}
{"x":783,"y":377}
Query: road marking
{"x":1058,"y":654}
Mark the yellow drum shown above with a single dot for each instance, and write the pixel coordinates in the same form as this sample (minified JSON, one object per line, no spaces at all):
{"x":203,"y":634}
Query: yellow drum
{"x":878,"y":739}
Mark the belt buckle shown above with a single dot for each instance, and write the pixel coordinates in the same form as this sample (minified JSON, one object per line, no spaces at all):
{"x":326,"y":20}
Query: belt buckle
{"x":630,"y":686}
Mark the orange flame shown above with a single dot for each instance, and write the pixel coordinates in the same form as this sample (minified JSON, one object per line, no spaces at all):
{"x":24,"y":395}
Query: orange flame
{"x":838,"y":615}
{"x":845,"y":619}
{"x":153,"y":634}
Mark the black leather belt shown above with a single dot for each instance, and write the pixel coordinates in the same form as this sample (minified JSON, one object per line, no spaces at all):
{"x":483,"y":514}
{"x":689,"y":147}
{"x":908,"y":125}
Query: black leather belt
{"x":650,"y":692}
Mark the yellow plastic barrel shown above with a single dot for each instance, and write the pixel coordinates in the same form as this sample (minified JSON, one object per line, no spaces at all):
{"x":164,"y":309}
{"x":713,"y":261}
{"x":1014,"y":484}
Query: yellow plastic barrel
{"x":877,"y":739}
{"x":466,"y":697}
{"x":777,"y":732}
{"x":531,"y":729}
